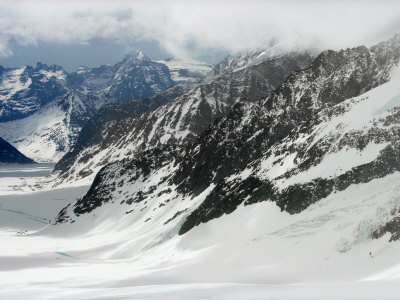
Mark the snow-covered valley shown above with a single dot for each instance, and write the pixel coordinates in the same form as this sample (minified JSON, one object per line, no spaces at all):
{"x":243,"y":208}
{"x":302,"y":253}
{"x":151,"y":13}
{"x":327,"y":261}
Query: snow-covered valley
{"x":256,"y":252}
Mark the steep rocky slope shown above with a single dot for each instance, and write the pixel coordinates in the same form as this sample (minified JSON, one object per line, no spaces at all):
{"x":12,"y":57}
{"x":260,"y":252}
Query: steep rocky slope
{"x":183,"y":119}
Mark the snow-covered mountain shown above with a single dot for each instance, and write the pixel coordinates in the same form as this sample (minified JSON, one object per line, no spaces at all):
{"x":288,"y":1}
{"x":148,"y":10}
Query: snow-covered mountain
{"x":241,"y":60}
{"x":327,"y":130}
{"x":47,"y":134}
{"x":136,"y":76}
{"x":25,"y":90}
{"x":41,"y":112}
{"x":139,"y":77}
{"x":43,"y":108}
{"x":181,"y":120}
{"x":9,"y":154}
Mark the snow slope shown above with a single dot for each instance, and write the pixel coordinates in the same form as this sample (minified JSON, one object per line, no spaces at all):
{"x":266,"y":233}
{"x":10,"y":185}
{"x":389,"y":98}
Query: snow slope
{"x":323,"y":250}
{"x":333,"y":291}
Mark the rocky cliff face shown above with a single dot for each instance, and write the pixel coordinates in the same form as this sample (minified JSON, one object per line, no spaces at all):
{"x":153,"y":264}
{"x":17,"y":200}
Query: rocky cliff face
{"x":182,"y":120}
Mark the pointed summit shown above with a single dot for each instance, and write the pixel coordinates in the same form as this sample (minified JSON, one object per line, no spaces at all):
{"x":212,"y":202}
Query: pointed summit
{"x":136,"y":55}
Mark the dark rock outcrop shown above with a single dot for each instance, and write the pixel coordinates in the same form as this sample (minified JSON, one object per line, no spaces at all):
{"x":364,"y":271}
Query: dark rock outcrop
{"x":9,"y":154}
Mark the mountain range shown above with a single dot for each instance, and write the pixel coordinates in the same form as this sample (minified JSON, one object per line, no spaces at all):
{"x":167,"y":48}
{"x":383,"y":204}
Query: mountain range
{"x":181,"y":120}
{"x":43,"y":108}
{"x":332,"y":123}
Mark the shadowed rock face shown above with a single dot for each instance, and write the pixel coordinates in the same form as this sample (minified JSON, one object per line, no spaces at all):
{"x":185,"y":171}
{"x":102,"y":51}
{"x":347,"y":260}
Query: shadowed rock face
{"x":263,"y":150}
{"x":9,"y":154}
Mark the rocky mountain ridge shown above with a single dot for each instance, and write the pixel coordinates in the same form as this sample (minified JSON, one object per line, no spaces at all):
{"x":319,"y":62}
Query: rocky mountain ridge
{"x":179,"y":121}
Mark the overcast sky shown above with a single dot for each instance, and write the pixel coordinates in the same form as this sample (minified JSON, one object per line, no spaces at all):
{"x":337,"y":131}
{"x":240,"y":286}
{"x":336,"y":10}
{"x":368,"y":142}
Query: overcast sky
{"x":73,"y":33}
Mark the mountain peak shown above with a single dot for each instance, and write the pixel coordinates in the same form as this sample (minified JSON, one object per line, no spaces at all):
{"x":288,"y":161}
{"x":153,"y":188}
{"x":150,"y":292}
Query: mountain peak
{"x":136,"y":55}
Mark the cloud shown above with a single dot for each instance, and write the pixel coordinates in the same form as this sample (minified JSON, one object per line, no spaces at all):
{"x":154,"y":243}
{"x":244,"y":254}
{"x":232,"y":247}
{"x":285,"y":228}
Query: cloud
{"x":189,"y":28}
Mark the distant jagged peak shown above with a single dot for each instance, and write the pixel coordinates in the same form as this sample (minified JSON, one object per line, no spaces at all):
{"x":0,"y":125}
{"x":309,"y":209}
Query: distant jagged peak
{"x":41,"y":66}
{"x":83,"y":69}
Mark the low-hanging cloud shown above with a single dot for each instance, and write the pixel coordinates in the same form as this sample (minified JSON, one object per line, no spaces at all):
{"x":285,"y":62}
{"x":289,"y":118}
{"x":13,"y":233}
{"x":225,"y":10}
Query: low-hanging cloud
{"x":188,"y":28}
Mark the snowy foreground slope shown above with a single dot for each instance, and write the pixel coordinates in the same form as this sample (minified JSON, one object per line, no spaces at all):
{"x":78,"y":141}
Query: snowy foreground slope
{"x":322,"y":252}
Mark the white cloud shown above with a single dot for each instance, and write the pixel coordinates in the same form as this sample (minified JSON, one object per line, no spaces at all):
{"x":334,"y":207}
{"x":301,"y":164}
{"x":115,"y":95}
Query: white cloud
{"x":186,"y":28}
